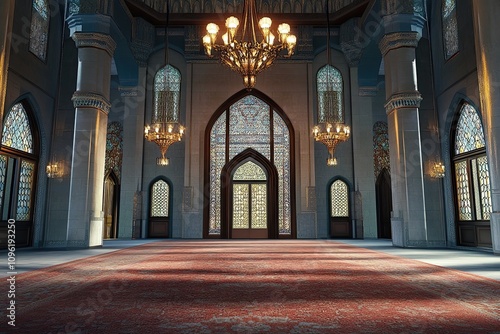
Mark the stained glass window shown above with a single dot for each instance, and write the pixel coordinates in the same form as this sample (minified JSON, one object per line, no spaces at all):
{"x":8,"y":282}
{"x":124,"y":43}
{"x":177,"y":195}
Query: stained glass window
{"x":39,"y":31}
{"x":259,"y":205}
{"x":17,"y":131}
{"x":249,"y":126}
{"x":483,"y":187}
{"x":463,"y":193}
{"x":217,"y":162}
{"x":449,"y":28}
{"x":282,"y":163}
{"x":18,"y":166}
{"x":24,"y":190}
{"x":114,"y":150}
{"x":249,"y":199}
{"x":252,"y":124}
{"x":249,"y":171}
{"x":339,"y":199}
{"x":160,"y":193}
{"x":472,"y":175}
{"x":241,"y":214}
{"x":469,"y":133}
{"x":167,"y":95}
{"x":330,"y":89}
{"x":381,"y":158}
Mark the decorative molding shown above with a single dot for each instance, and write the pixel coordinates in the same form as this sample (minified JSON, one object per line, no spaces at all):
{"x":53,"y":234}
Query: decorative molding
{"x":367,"y":91}
{"x":403,"y":100}
{"x":90,"y":100}
{"x":399,"y":40}
{"x":311,"y":199}
{"x":187,"y":198}
{"x":127,"y":91}
{"x":143,"y":40}
{"x":416,"y":7}
{"x":230,"y":6}
{"x":349,"y":43}
{"x":95,"y":40}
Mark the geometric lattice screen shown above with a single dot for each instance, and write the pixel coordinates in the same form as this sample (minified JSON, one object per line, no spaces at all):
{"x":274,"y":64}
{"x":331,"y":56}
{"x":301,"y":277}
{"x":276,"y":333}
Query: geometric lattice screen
{"x":250,"y":123}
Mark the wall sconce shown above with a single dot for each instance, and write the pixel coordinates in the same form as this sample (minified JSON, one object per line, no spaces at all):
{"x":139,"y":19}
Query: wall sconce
{"x":438,"y":170}
{"x":54,"y":169}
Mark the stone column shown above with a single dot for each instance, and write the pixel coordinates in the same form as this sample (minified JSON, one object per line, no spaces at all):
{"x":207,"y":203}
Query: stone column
{"x":362,"y":123}
{"x":133,"y":99}
{"x":91,"y":102}
{"x":486,"y":13}
{"x":409,"y":220}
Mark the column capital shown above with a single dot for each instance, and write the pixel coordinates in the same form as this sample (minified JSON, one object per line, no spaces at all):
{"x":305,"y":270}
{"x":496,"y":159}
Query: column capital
{"x":398,"y":40}
{"x":90,"y":100}
{"x":95,"y":40}
{"x":403,"y":100}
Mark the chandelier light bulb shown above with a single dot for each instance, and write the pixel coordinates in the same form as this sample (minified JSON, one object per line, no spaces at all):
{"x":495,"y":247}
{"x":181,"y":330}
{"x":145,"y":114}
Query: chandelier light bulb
{"x":284,"y":28}
{"x":265,"y":23}
{"x":232,"y":22}
{"x":212,"y":28}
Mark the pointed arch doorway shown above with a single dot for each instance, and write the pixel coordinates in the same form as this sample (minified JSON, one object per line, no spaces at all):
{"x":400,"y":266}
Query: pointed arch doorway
{"x":384,"y":204}
{"x":110,"y":204}
{"x":250,"y":198}
{"x":249,"y":126}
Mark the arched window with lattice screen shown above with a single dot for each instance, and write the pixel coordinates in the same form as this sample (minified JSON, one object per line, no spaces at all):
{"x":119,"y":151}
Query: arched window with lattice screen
{"x":329,"y":84}
{"x":449,"y":27}
{"x":340,"y":222}
{"x":159,"y":211}
{"x":18,"y":166}
{"x":39,"y":31}
{"x":167,"y":94}
{"x":471,"y":179}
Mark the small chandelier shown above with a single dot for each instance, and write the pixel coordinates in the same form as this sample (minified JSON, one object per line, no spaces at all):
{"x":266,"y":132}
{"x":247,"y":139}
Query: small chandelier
{"x":165,"y":129}
{"x":54,"y":169}
{"x":243,"y":53}
{"x":331,"y":135}
{"x":332,"y":130}
{"x":438,"y":170}
{"x":164,"y":134}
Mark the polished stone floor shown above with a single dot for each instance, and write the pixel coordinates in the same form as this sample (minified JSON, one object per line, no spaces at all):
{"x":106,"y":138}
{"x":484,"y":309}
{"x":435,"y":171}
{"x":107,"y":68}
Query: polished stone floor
{"x":482,"y":263}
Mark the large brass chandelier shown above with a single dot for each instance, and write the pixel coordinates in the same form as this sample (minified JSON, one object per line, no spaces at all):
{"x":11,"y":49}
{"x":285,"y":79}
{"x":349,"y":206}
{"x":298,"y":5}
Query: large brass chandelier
{"x":331,"y":129}
{"x":242,"y":53}
{"x":165,"y":129}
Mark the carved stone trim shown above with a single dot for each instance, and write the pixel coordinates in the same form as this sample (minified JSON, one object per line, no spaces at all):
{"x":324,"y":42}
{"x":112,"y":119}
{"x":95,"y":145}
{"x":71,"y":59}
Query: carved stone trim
{"x":90,"y":100}
{"x":403,"y":100}
{"x":187,"y":198}
{"x":369,"y":91}
{"x":311,"y":202}
{"x":128,"y":91}
{"x":399,"y":40}
{"x":95,"y":40}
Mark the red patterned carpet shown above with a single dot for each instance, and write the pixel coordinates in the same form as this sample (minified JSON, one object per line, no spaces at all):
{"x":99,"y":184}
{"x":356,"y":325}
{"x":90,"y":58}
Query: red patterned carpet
{"x":253,"y":287}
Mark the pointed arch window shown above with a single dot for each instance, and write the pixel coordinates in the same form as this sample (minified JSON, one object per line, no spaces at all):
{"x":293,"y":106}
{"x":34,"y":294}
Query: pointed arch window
{"x":330,"y":91}
{"x":39,"y":31}
{"x":167,"y":94}
{"x":381,"y":158}
{"x":449,"y":27}
{"x":160,"y":192}
{"x":249,"y":123}
{"x":472,"y":179}
{"x":339,"y":199}
{"x":18,"y":165}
